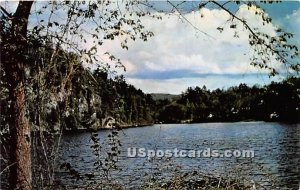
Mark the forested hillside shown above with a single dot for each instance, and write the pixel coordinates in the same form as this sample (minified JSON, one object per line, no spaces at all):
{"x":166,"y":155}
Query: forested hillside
{"x":59,"y":72}
{"x":89,"y":99}
{"x":162,"y":96}
{"x":96,"y":99}
{"x":92,"y":100}
{"x":62,"y":94}
{"x":279,"y":101}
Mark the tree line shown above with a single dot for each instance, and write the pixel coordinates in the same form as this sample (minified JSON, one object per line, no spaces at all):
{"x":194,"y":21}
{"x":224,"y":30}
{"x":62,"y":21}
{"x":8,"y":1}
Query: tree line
{"x":278,"y":101}
{"x":41,"y":64}
{"x":91,"y":98}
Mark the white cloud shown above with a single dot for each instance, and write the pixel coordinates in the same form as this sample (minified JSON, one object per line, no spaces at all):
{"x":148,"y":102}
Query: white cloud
{"x":176,"y":86}
{"x":295,"y":16}
{"x":178,"y":46}
{"x":293,"y":21}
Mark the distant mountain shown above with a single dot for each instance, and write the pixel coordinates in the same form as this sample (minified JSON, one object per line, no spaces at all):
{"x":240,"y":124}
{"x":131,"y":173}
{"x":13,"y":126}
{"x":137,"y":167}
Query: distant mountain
{"x":162,"y":96}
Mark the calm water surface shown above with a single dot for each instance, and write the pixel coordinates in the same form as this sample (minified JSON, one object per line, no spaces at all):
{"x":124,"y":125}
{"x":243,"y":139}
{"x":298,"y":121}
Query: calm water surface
{"x":276,"y":146}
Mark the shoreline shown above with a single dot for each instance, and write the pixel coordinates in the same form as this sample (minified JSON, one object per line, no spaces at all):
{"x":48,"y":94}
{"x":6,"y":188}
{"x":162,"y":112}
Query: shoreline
{"x":127,"y":126}
{"x":84,"y":130}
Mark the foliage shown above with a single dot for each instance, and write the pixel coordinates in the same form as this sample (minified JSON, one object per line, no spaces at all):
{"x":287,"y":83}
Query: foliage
{"x":279,"y":101}
{"x":43,"y":79}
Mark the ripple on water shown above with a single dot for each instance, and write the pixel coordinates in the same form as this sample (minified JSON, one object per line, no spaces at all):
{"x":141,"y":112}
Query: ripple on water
{"x":277,"y":152}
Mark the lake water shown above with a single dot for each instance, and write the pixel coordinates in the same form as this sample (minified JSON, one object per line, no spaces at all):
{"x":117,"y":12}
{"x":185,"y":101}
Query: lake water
{"x":276,"y":146}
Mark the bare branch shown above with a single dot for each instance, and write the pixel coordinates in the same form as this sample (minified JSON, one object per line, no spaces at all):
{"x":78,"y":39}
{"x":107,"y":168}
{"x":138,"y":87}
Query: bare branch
{"x":5,"y":12}
{"x":189,"y":22}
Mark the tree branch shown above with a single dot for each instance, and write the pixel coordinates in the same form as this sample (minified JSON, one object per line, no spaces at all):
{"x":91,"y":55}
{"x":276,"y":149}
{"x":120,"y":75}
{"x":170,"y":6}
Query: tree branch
{"x":246,"y":25}
{"x":6,"y":13}
{"x":189,"y":22}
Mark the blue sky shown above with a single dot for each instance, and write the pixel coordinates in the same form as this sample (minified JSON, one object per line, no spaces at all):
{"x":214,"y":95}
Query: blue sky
{"x":178,"y":56}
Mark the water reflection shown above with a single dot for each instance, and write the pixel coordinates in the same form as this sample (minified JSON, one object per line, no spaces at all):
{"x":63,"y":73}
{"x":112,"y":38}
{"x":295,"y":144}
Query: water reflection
{"x":288,"y":155}
{"x":277,"y":150}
